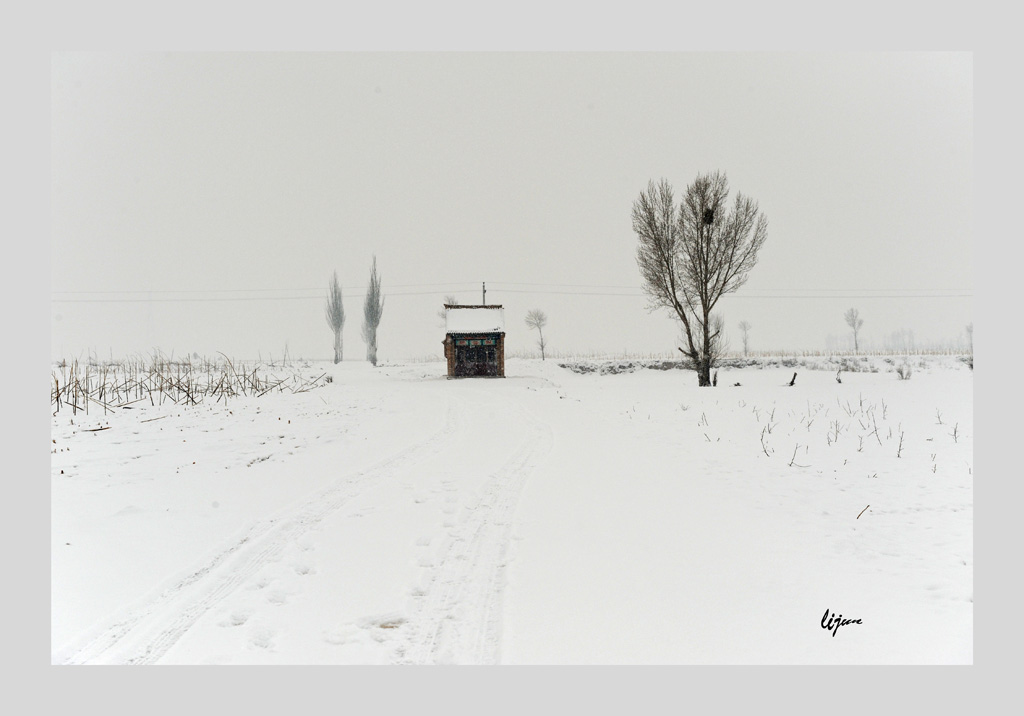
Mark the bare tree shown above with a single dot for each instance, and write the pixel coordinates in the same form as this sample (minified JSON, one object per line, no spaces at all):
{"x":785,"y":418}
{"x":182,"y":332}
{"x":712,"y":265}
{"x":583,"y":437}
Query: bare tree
{"x":692,"y":254}
{"x":745,"y":328}
{"x":538,"y":319}
{"x":854,"y":321}
{"x":970,"y":336}
{"x":448,"y":301}
{"x":334,"y":311}
{"x":373,"y":308}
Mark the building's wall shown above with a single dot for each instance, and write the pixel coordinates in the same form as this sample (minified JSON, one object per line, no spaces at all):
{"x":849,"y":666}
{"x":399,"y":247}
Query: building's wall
{"x":449,"y":354}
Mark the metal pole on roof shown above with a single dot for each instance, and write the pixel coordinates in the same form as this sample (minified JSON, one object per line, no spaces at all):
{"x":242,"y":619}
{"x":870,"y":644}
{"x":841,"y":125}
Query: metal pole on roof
{"x":485,"y":293}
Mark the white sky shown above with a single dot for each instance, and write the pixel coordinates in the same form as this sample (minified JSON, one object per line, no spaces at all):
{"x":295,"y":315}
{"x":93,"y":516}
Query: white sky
{"x":200,"y":202}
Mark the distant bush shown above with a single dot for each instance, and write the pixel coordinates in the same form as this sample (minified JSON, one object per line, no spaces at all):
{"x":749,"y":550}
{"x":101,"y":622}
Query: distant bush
{"x":904,"y":371}
{"x":832,"y":363}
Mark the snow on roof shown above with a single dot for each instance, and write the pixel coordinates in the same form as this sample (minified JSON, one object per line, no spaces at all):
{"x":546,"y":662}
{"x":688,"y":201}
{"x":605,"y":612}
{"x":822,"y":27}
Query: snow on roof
{"x":474,"y":319}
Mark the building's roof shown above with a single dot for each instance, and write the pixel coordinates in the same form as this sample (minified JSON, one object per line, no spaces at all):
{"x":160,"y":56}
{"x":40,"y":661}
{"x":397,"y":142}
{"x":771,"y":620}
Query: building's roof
{"x":474,"y":319}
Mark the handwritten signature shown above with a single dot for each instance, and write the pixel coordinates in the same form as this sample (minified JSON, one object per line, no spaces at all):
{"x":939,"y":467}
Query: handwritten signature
{"x":833,"y":622}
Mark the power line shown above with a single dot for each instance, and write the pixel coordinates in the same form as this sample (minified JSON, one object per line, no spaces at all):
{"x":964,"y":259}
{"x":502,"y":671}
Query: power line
{"x":853,"y":295}
{"x":561,"y":285}
{"x":813,"y":290}
{"x":472,"y":286}
{"x":637,"y":294}
{"x":468,"y":287}
{"x":240,"y":298}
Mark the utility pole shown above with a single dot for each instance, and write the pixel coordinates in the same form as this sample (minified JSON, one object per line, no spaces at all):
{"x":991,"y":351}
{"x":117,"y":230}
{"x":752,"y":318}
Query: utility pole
{"x":485,"y":293}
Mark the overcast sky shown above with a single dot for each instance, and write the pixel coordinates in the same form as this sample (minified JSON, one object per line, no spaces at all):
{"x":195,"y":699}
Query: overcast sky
{"x":200,"y":202}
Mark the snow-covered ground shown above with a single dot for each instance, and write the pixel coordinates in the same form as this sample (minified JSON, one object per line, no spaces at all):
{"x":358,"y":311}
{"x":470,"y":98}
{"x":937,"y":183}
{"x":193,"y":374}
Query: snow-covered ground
{"x":395,"y":516}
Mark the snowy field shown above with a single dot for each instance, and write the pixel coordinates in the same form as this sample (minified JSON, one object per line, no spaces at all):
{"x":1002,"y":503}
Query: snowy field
{"x":392,"y":516}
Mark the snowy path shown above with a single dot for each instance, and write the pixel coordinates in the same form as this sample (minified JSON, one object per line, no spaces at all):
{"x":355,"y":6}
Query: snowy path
{"x":459,"y":617}
{"x":295,"y":580}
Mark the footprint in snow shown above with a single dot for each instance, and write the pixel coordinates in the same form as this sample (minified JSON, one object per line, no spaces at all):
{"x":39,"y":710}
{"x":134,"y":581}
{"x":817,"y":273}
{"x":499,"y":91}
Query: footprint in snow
{"x":262,"y":637}
{"x":339,"y":636}
{"x":382,"y":627}
{"x":238,"y":617}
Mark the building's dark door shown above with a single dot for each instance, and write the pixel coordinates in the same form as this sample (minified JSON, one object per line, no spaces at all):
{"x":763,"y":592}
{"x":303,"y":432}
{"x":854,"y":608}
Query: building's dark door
{"x":475,"y":358}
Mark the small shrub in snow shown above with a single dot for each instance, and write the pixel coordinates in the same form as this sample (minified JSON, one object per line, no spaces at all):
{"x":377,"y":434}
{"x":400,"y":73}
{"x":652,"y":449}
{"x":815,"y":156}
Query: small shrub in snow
{"x":904,"y":371}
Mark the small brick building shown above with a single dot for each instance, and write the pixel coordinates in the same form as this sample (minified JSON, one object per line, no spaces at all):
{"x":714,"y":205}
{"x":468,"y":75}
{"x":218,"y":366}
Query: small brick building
{"x":474,"y":342}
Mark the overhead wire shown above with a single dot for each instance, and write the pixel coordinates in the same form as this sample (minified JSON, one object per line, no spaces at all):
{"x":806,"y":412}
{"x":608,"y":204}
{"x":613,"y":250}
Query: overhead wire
{"x":448,"y":288}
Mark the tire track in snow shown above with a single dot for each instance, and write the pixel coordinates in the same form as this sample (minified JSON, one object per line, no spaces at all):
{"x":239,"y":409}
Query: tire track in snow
{"x":459,"y":618}
{"x":149,"y":631}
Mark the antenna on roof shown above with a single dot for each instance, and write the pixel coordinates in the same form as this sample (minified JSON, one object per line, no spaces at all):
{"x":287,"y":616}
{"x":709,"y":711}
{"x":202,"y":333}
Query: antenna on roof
{"x":485,"y":294}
